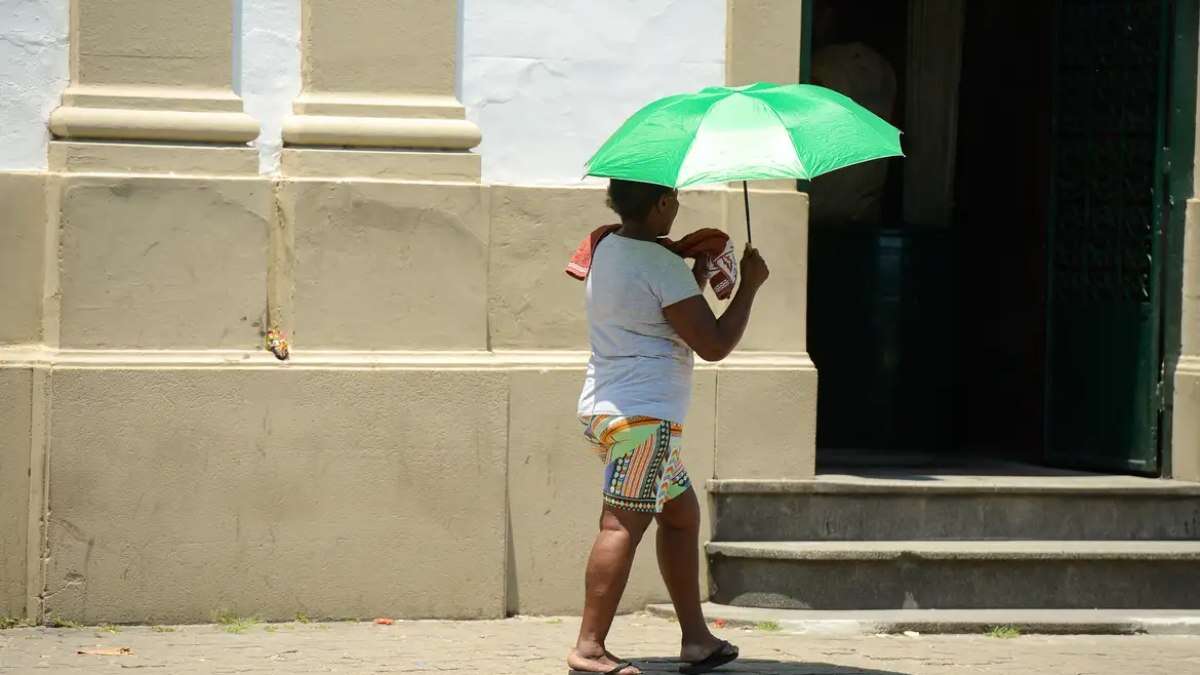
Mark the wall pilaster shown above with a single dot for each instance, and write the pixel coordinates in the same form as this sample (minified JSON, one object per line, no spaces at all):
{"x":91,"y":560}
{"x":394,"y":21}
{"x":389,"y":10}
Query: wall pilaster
{"x":379,"y":79}
{"x":148,"y":70}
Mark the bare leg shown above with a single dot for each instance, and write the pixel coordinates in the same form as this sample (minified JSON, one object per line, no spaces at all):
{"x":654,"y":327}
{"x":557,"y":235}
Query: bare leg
{"x":679,"y":563}
{"x":607,"y":573}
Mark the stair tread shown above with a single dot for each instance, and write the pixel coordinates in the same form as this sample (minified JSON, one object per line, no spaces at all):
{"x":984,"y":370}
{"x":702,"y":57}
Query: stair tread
{"x":918,"y":483}
{"x":963,"y":550}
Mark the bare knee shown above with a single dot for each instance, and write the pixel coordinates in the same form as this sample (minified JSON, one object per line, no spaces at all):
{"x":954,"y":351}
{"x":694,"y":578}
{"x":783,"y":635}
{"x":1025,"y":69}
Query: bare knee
{"x":681,"y":514}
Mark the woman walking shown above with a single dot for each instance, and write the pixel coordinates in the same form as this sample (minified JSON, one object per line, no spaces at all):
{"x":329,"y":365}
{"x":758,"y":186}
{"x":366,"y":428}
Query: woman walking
{"x":646,"y":317}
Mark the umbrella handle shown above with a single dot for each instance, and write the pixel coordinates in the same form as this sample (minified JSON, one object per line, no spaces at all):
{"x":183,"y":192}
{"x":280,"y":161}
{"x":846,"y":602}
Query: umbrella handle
{"x":746,"y":199}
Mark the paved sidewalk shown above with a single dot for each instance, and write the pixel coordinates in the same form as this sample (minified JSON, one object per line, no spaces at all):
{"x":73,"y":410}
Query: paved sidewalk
{"x":538,"y":646}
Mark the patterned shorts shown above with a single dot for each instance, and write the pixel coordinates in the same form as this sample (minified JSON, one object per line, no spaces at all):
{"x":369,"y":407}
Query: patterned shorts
{"x":643,"y":469}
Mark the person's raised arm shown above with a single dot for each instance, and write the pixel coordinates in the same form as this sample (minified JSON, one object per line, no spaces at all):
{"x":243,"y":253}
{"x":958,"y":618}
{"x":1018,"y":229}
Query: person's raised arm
{"x":699,"y":270}
{"x":712,"y":338}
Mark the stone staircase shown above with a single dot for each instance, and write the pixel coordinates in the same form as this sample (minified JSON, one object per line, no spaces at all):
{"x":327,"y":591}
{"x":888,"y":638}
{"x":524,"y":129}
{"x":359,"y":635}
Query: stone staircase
{"x":897,"y":541}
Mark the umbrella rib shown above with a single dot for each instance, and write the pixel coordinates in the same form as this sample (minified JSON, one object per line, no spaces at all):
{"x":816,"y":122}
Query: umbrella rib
{"x":666,"y":105}
{"x":868,"y":123}
{"x":873,"y":130}
{"x":691,"y":146}
{"x":879,"y":134}
{"x":679,"y":99}
{"x":791,"y":140}
{"x":692,"y":141}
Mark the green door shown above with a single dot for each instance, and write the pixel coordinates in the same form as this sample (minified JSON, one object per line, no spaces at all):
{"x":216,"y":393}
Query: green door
{"x":1105,"y":256}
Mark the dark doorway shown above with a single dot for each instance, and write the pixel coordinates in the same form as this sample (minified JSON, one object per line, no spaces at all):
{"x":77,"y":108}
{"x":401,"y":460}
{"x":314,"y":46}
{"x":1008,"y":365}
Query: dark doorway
{"x":1025,"y":323}
{"x":1002,"y":211}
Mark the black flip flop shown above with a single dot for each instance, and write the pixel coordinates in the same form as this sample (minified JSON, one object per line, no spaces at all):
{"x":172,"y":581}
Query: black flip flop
{"x":620,"y":666}
{"x":723,"y":654}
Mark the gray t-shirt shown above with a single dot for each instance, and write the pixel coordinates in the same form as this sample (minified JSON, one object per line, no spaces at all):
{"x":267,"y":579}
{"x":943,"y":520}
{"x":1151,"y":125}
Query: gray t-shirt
{"x":639,"y":365}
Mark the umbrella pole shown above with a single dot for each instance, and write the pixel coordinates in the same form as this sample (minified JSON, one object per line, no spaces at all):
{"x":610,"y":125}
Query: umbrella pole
{"x":746,"y":199}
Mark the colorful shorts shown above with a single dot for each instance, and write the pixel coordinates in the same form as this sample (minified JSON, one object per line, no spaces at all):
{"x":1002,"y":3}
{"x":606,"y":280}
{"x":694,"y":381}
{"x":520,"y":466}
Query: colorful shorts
{"x":643,"y":469}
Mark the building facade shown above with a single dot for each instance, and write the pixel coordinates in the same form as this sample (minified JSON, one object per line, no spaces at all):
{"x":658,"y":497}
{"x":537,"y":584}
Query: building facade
{"x":393,"y":186}
{"x":417,"y":454}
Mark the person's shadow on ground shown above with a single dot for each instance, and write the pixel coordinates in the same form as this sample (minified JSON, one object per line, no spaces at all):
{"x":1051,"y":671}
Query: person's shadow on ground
{"x":660,"y":666}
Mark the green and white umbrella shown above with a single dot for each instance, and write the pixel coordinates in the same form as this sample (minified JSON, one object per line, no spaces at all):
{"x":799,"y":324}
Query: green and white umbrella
{"x":760,"y":131}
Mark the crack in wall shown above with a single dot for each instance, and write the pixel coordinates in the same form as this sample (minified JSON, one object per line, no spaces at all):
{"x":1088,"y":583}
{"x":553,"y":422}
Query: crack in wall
{"x":73,"y":580}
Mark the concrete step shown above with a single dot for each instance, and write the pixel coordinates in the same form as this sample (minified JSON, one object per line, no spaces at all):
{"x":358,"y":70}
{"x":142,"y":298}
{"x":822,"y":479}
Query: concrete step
{"x":951,"y":621}
{"x":955,"y":507}
{"x":956,"y":575}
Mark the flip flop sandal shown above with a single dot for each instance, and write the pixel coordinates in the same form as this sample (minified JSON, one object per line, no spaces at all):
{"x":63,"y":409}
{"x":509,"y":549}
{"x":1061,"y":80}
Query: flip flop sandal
{"x":620,"y":666}
{"x":723,"y":654}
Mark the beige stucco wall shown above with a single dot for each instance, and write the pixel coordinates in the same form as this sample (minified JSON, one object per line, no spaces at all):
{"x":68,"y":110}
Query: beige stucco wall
{"x":336,"y":492}
{"x":22,"y":242}
{"x":16,"y":387}
{"x":533,"y":304}
{"x":1185,"y":415}
{"x":387,"y":265}
{"x":532,"y":228}
{"x":762,"y":41}
{"x":417,"y":457}
{"x":780,"y":229}
{"x":161,"y":263}
{"x":389,"y":36}
{"x":331,"y":489}
{"x":149,"y":30}
{"x":530,"y":305}
{"x":766,"y":420}
{"x":1185,"y":438}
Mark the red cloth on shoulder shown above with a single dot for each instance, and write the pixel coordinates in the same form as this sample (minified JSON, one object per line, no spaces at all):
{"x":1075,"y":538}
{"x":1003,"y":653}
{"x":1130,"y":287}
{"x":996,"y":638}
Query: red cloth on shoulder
{"x":721,"y":271}
{"x":581,"y":259}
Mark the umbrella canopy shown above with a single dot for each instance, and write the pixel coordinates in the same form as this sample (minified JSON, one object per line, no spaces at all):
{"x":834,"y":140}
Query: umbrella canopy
{"x":756,"y":132}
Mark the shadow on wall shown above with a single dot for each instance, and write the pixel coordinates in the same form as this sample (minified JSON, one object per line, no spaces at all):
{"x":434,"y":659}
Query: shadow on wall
{"x":654,"y":666}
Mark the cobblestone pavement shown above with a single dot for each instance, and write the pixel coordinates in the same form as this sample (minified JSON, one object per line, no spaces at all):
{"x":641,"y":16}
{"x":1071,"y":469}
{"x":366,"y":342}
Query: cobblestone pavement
{"x":537,"y":646}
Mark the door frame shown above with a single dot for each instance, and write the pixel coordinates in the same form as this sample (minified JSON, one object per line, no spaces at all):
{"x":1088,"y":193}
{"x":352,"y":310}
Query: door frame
{"x":806,"y":37}
{"x":1180,"y":155}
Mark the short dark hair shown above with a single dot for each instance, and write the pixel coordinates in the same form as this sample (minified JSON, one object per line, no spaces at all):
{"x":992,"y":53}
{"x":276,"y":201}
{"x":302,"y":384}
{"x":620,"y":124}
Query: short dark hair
{"x":633,"y":200}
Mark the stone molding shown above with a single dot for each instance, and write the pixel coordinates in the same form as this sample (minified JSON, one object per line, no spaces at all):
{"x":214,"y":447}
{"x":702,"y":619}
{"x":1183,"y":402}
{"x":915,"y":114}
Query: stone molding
{"x":1185,"y":432}
{"x":42,"y":357}
{"x":133,"y":157}
{"x":390,"y":87}
{"x":152,"y":125}
{"x":381,"y":132}
{"x":355,"y":105}
{"x":1189,"y":365}
{"x":147,"y":70}
{"x":379,"y":164}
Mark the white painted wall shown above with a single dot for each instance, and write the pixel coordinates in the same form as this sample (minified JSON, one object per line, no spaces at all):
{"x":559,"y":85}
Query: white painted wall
{"x":267,"y":68}
{"x":548,"y":80}
{"x":34,"y":62}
